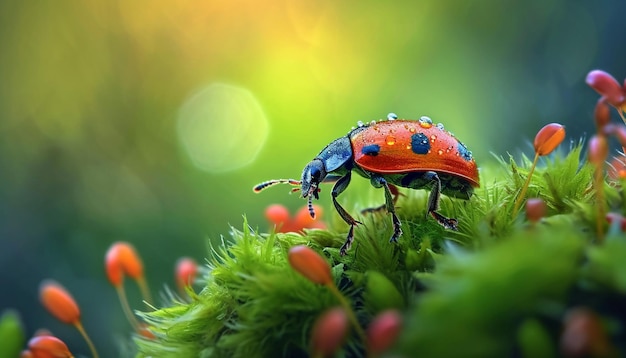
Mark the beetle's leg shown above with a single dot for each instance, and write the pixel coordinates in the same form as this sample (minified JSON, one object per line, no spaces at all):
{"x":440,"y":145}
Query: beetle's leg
{"x":338,"y":188}
{"x":433,"y":202}
{"x":378,"y":181}
{"x":394,"y":192}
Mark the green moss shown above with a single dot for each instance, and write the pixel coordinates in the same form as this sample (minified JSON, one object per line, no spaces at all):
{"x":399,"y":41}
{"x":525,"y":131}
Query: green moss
{"x":496,"y":287}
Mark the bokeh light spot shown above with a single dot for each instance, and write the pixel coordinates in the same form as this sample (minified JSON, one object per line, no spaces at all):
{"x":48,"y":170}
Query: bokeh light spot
{"x":222,"y":127}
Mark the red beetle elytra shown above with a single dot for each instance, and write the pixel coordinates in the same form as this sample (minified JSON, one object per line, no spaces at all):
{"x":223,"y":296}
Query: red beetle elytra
{"x":407,"y":153}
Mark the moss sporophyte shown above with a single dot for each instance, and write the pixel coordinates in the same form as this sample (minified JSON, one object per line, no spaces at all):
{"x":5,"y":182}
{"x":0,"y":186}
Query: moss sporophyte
{"x":533,"y":265}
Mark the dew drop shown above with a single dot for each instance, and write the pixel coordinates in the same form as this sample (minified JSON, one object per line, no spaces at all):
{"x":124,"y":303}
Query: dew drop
{"x":391,"y":140}
{"x":440,"y":151}
{"x":425,"y":122}
{"x":440,"y":126}
{"x":433,"y":138}
{"x":392,"y":116}
{"x":412,"y":129}
{"x":360,"y":123}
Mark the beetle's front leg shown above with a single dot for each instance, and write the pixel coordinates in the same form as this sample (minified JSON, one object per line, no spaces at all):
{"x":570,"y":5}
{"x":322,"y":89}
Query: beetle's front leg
{"x":338,"y":188}
{"x":433,"y":202}
{"x":378,"y":182}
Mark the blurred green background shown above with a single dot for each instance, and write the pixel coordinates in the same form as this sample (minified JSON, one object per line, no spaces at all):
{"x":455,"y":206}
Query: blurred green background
{"x":150,"y":121}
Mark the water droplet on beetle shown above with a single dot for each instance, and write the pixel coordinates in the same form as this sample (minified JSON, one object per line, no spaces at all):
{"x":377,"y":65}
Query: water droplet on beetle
{"x":425,"y":122}
{"x":360,"y":123}
{"x":392,"y":116}
{"x":440,"y":126}
{"x":391,"y":140}
{"x":440,"y":151}
{"x":433,"y":138}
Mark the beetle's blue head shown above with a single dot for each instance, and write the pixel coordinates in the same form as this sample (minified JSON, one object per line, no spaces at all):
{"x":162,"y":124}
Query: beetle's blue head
{"x":312,"y":175}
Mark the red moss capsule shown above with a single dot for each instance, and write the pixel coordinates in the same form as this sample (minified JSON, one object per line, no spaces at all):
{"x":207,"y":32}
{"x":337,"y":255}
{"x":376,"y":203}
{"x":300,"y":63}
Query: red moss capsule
{"x":535,"y":209}
{"x":607,"y":86}
{"x":616,"y":217}
{"x":602,"y":113}
{"x":59,"y":302}
{"x":598,"y":150}
{"x":583,"y":335}
{"x":383,"y":331}
{"x":277,"y":214}
{"x":48,"y":347}
{"x":310,"y":265}
{"x":186,"y":271}
{"x":548,"y":138}
{"x":329,"y":332}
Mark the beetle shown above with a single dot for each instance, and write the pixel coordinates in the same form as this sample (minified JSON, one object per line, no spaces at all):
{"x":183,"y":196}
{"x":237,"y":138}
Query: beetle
{"x":415,"y":154}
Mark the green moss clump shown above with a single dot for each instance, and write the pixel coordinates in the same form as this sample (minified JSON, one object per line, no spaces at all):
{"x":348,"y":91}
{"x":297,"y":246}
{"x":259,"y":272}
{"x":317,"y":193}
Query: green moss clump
{"x":497,"y":287}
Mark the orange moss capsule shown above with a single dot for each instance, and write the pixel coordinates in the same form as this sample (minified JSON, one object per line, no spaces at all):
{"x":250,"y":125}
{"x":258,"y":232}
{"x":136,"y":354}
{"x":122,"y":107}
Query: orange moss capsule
{"x":122,"y":259}
{"x":329,"y":332}
{"x":113,"y":269}
{"x":145,"y":332}
{"x":48,"y":347}
{"x":310,"y":265}
{"x":617,"y":168}
{"x":277,"y":214}
{"x":59,"y":302}
{"x":125,"y":255}
{"x":302,"y":219}
{"x":548,"y":138}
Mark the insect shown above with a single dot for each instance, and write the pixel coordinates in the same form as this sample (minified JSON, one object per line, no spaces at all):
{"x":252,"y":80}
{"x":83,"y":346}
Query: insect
{"x":415,"y":154}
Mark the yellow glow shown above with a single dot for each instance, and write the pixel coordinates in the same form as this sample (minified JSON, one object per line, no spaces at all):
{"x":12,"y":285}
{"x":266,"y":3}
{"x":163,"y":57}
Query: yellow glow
{"x":222,"y":127}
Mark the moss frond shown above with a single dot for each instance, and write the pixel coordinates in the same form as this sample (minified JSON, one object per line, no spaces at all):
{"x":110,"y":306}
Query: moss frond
{"x":496,"y":287}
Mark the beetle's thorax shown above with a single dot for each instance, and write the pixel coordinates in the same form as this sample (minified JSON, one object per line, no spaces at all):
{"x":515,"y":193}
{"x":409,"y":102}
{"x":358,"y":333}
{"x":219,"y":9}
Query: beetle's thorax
{"x":337,"y":156}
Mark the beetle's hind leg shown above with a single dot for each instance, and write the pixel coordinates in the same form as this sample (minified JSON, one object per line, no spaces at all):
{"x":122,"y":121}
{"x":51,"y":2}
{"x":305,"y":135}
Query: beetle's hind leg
{"x":390,"y":199}
{"x":338,"y":188}
{"x":395,"y":195}
{"x":433,"y":202}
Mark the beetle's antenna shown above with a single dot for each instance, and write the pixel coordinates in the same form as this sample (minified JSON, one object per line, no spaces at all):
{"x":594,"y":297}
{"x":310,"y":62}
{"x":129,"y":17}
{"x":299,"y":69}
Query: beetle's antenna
{"x":310,"y":205}
{"x":261,"y":186}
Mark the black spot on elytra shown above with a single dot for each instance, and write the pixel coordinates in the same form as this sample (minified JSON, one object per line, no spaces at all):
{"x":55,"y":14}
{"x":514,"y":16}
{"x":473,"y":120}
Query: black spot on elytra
{"x":372,"y":149}
{"x":420,"y":143}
